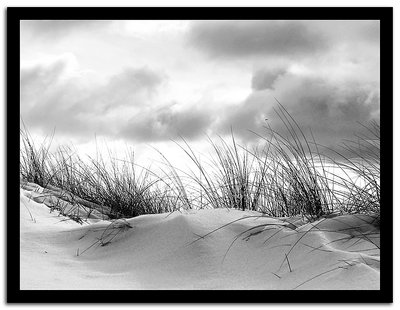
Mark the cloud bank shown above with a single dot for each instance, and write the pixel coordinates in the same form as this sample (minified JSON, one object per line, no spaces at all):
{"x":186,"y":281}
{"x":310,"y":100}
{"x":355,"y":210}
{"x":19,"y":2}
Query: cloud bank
{"x":332,"y":112}
{"x":58,"y":29}
{"x":127,"y":106}
{"x":271,"y":38}
{"x":326,"y":73}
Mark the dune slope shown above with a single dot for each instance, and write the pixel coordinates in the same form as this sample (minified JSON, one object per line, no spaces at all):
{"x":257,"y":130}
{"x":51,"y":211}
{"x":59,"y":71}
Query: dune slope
{"x":203,"y":249}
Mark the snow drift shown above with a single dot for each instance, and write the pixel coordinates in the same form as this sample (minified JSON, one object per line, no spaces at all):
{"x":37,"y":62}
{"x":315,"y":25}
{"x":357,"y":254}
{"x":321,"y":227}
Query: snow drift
{"x":195,"y":249}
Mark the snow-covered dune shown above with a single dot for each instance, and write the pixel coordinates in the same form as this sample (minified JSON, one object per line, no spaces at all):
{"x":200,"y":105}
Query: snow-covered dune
{"x":203,"y":249}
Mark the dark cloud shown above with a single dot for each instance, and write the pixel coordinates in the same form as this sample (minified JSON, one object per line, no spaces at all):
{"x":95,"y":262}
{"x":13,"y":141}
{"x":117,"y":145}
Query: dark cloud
{"x":326,"y":73}
{"x":168,"y":123}
{"x":264,"y":78}
{"x":119,"y":108}
{"x":247,"y":116}
{"x":57,"y":29}
{"x":265,"y":38}
{"x":349,"y":31}
{"x":51,"y":100}
{"x":371,"y":31}
{"x":36,"y":80}
{"x":132,"y":87}
{"x":333,"y":112}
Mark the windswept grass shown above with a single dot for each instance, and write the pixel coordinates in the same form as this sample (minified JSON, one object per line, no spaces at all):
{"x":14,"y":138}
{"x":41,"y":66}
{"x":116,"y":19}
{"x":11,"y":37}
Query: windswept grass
{"x":34,"y":161}
{"x":298,"y":181}
{"x":359,"y":161}
{"x":288,"y":174}
{"x":233,"y":178}
{"x":119,"y":187}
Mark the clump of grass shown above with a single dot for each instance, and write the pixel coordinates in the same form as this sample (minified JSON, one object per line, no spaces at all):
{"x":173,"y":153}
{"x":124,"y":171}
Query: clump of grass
{"x":68,"y":172}
{"x":286,"y":175}
{"x":128,"y":189}
{"x":233,"y":179}
{"x":297,"y":181}
{"x":359,"y":161}
{"x":117,"y":187}
{"x":34,"y":159}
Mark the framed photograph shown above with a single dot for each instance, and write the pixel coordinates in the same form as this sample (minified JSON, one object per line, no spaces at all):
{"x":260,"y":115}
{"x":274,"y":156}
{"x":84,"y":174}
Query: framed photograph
{"x":199,"y":155}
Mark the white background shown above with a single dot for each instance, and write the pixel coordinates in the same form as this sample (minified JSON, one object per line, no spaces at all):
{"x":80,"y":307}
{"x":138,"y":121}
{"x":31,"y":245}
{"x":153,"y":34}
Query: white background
{"x":126,"y":3}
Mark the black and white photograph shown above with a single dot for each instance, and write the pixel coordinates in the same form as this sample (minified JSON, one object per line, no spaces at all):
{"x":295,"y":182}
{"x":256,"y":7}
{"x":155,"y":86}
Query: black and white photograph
{"x":203,"y":153}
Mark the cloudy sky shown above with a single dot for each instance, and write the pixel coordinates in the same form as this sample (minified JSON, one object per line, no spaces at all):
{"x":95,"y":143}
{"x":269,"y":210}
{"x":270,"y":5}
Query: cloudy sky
{"x":143,"y":83}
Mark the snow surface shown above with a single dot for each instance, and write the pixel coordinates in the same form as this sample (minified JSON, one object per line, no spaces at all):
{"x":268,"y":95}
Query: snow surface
{"x":196,"y":249}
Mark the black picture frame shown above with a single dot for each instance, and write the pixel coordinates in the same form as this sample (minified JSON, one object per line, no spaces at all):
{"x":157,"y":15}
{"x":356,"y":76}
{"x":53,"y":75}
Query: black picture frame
{"x":16,"y":14}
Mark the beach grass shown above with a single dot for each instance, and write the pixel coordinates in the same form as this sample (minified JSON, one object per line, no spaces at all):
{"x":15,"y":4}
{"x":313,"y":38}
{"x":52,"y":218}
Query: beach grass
{"x":287,"y":174}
